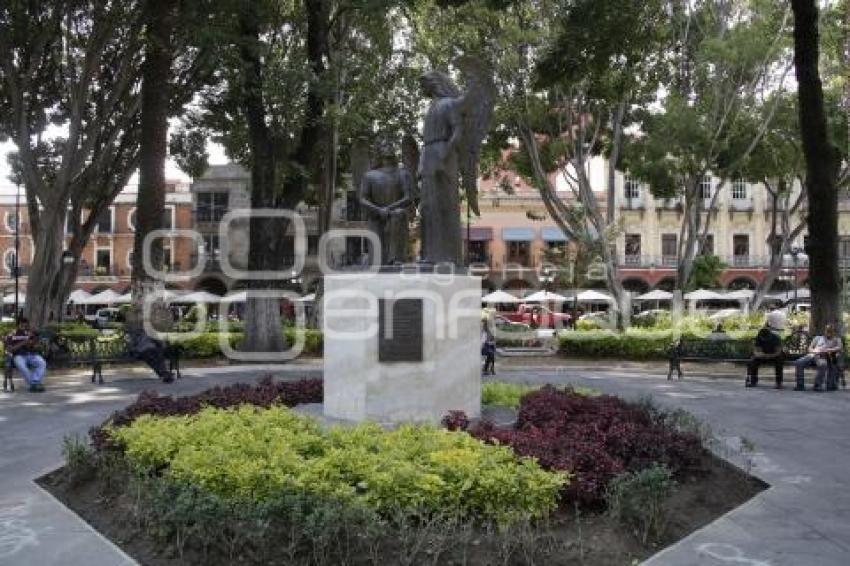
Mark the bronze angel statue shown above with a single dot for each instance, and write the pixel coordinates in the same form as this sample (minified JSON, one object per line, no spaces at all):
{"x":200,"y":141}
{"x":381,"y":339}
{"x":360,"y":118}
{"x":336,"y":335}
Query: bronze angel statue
{"x":454,"y":127}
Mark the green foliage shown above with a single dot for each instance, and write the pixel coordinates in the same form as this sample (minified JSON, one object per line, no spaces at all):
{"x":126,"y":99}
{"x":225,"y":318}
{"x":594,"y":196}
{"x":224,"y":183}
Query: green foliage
{"x":706,"y":272}
{"x":249,"y":455}
{"x":504,"y":394}
{"x":79,"y":459}
{"x":638,"y":500}
{"x":633,"y":344}
{"x":207,"y":344}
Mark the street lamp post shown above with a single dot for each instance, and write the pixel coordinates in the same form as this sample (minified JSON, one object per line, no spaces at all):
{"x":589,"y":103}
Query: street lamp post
{"x":795,"y":253}
{"x":15,"y":263}
{"x":67,"y":261}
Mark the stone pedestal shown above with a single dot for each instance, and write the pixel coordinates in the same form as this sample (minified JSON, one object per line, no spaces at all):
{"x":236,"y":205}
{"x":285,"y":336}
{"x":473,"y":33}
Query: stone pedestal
{"x":416,"y":364}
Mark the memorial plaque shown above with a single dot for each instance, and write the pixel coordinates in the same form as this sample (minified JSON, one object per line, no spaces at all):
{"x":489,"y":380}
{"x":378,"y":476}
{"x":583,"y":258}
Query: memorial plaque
{"x":400,"y":333}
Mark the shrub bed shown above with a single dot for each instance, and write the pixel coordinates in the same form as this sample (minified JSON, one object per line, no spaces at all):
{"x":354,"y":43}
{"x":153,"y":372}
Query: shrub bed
{"x":207,"y":344}
{"x":250,"y":455}
{"x":595,"y":438}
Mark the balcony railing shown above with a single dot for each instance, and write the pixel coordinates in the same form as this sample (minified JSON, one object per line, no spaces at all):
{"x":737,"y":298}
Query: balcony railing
{"x":731,"y":261}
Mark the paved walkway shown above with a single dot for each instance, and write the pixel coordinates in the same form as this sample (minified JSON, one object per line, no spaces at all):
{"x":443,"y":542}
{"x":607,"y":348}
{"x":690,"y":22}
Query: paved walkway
{"x":801,"y":449}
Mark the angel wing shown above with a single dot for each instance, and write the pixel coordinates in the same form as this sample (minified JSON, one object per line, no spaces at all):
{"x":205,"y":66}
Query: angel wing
{"x":477,"y":109}
{"x":410,"y":160}
{"x":360,"y":164}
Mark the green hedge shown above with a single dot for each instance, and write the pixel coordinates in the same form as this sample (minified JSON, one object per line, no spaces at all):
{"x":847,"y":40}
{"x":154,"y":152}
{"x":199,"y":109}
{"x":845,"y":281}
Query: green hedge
{"x":633,"y":344}
{"x":207,"y":345}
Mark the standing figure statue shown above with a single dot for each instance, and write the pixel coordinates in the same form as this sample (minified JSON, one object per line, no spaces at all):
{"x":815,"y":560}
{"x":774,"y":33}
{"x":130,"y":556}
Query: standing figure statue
{"x":454,"y":127}
{"x":385,"y":196}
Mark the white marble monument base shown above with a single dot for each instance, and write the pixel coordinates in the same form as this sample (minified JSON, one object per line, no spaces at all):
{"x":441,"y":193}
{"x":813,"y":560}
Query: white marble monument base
{"x":357,"y":386}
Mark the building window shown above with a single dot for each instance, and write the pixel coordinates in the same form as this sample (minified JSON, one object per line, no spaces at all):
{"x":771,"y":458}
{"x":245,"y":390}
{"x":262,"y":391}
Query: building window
{"x":477,"y":250}
{"x":103,"y":262}
{"x":705,"y":187}
{"x":518,"y":252}
{"x":11,"y":221}
{"x":632,"y":249}
{"x":707,"y":245}
{"x":9,"y":261}
{"x":844,"y":247}
{"x":212,"y":249}
{"x":669,"y":249}
{"x":739,"y":189}
{"x":103,"y":225}
{"x":212,"y":206}
{"x":741,"y":249}
{"x":631,"y":188}
{"x":167,"y":219}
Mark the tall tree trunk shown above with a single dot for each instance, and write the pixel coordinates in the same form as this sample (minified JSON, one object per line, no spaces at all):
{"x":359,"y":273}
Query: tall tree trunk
{"x":822,"y":162}
{"x":45,"y":281}
{"x":263,"y":331}
{"x":150,"y":202}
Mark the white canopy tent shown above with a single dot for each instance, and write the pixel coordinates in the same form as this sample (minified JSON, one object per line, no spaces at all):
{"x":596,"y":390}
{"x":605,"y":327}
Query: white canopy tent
{"x":238,"y":297}
{"x":204,"y":297}
{"x":739,"y":295}
{"x":78,"y":296}
{"x":10,"y":299}
{"x":310,"y":298}
{"x":592,"y":296}
{"x":108,"y":297}
{"x":545,"y":297}
{"x":656,"y":295}
{"x":499,"y":298}
{"x":704,"y":295}
{"x":124,"y":299}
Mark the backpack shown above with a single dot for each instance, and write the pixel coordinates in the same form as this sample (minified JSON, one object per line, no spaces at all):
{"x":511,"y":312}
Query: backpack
{"x":768,"y":342}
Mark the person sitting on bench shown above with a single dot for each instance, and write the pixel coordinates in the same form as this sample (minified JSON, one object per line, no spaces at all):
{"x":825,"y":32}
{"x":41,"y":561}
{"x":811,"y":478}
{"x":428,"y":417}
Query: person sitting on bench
{"x":766,"y":350}
{"x":150,"y":351}
{"x":822,"y":354}
{"x":21,"y":346}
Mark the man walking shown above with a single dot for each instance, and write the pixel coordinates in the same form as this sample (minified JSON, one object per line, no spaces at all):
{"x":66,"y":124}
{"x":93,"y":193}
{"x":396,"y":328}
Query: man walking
{"x":21,"y":346}
{"x":822,"y":354}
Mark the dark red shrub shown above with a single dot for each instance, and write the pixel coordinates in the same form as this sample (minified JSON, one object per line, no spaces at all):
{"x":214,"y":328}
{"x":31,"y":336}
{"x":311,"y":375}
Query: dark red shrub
{"x":265,"y":393}
{"x":595,"y":438}
{"x":456,"y":420}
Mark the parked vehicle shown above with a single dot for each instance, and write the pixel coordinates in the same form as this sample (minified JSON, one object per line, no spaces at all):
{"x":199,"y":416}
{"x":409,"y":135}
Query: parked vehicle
{"x":537,"y":316}
{"x":107,"y":315}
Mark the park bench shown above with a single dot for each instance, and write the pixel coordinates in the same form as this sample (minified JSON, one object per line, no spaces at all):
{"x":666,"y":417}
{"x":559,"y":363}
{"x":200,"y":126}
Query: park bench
{"x":64,"y":351}
{"x":728,"y":350}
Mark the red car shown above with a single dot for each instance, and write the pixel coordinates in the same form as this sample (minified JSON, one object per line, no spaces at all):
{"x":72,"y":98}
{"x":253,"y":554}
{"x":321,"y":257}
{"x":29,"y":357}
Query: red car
{"x":538,"y":316}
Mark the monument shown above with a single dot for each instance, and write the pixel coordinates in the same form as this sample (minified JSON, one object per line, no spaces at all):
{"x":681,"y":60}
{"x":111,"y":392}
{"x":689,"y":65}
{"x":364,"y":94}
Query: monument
{"x":402,"y":340}
{"x":385,"y":196}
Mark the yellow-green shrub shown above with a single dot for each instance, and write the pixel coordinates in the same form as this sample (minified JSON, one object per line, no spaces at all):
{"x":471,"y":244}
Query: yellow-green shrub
{"x":251,"y":454}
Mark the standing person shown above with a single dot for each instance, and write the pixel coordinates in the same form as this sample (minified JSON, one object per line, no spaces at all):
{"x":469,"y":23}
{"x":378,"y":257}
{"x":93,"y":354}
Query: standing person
{"x":766,"y":350}
{"x":21,"y":346}
{"x":822,"y":354}
{"x":488,"y":350}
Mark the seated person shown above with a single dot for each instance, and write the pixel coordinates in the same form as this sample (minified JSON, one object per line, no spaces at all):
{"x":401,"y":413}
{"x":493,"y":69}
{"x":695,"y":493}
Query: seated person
{"x":21,"y":345}
{"x":766,"y":350}
{"x":150,"y":351}
{"x":822,"y":353}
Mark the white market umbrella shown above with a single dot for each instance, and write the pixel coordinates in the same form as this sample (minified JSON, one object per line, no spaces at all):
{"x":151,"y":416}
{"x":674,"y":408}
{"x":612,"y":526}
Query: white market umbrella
{"x":545,"y":297}
{"x":239,"y":297}
{"x":204,"y":297}
{"x":306,"y":298}
{"x":594,"y":297}
{"x":740,"y":295}
{"x":703,"y":295}
{"x":10,"y":299}
{"x":498,"y":298}
{"x":124,"y":299}
{"x":107,"y":297}
{"x":78,"y":296}
{"x":656,"y":295}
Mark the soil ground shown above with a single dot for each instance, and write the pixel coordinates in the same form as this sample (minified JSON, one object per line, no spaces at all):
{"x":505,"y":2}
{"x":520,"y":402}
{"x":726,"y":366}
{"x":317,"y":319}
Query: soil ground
{"x":575,"y":537}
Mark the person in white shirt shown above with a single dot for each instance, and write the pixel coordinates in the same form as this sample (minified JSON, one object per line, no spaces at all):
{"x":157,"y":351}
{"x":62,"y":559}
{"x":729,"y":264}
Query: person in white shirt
{"x":822,"y":350}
